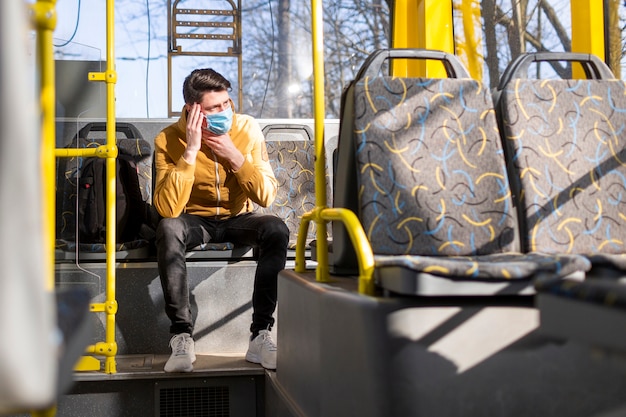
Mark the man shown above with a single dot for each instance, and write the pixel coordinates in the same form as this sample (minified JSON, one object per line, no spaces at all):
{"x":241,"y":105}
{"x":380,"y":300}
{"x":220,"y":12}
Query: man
{"x":210,"y":166}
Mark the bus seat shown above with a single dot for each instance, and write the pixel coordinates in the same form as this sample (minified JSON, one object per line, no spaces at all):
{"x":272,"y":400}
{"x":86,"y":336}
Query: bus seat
{"x":291,"y":152}
{"x":566,"y":153}
{"x":431,"y":188}
{"x":565,"y":141}
{"x":130,"y":142}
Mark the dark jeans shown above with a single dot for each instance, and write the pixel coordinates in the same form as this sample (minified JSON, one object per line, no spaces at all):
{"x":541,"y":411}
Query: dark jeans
{"x":268,"y":234}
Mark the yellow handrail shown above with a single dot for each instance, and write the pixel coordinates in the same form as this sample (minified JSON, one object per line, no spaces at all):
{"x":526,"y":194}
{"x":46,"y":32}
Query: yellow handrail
{"x":321,"y":214}
{"x":321,"y":272}
{"x":365,"y":256}
{"x":109,"y":348}
{"x":44,"y":16}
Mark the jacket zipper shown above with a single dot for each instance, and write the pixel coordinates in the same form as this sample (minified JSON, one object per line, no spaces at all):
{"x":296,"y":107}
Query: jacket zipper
{"x":217,"y":184}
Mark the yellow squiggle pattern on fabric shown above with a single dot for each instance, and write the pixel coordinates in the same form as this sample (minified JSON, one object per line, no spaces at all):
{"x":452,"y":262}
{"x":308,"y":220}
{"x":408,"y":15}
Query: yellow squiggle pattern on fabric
{"x":597,"y":216}
{"x":613,"y":135}
{"x":439,"y":179}
{"x":457,"y":142}
{"x":443,"y":210}
{"x":435,"y":268}
{"x":454,"y":242}
{"x":499,"y":176}
{"x":365,"y":129}
{"x":555,"y":203}
{"x":532,"y":182}
{"x":554,"y":156}
{"x":518,"y":100}
{"x":472,"y":269}
{"x":372,"y":177}
{"x":553,"y":101}
{"x":396,"y":202}
{"x":610,"y":242}
{"x":399,"y":153}
{"x":487,"y":222}
{"x":593,"y":180}
{"x":417,"y":188}
{"x":370,"y":231}
{"x":409,"y":219}
{"x":570,"y":235}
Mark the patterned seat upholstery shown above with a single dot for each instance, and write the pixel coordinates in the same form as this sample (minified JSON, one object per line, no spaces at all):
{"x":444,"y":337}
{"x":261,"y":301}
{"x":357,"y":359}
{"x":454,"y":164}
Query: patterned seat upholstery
{"x":293,"y":165}
{"x":291,"y":152}
{"x":567,"y":151}
{"x":434,"y":197}
{"x":566,"y":145}
{"x":129,"y":142}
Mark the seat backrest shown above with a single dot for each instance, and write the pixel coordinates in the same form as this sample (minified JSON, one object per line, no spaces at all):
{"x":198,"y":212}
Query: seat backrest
{"x":291,"y":153}
{"x":130,"y":143}
{"x":431,"y":178}
{"x":565,"y":139}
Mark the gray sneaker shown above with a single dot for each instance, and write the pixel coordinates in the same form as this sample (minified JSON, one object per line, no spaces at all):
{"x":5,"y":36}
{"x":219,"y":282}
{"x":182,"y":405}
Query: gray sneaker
{"x":262,"y":349}
{"x":183,"y":354}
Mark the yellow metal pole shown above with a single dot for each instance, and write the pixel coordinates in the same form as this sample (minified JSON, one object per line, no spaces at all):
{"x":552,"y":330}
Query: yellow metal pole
{"x":362,"y":247}
{"x":320,"y":157}
{"x":111,"y":303}
{"x":587,"y":30}
{"x":108,"y":348}
{"x":44,"y":15}
{"x":469,"y":49}
{"x":422,"y":24}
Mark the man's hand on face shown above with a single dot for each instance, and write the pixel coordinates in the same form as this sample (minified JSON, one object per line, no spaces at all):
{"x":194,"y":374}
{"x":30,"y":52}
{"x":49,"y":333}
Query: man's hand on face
{"x":223,"y":147}
{"x":195,"y":119}
{"x":198,"y":134}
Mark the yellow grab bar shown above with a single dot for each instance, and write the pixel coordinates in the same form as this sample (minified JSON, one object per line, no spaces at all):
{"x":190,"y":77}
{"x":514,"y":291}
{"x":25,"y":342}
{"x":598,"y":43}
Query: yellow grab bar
{"x":322,"y":214}
{"x":365,"y":256}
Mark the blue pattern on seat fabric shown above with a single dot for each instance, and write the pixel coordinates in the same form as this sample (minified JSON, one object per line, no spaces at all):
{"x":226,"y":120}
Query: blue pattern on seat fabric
{"x":293,"y":163}
{"x":488,"y":267}
{"x":432,"y":177}
{"x":567,"y":142}
{"x":433,"y":185}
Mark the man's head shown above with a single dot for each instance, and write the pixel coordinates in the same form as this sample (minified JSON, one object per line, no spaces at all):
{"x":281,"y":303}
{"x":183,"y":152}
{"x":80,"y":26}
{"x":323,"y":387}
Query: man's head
{"x":209,"y":90}
{"x":201,"y":81}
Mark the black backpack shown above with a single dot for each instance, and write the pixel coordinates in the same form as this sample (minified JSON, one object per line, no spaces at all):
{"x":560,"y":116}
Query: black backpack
{"x":130,"y":208}
{"x":83,"y":197}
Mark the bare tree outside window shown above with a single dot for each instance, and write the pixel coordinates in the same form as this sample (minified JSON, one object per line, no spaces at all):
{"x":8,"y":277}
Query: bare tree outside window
{"x":276,"y":45}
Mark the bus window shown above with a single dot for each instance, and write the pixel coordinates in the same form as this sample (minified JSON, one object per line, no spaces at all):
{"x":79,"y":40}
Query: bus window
{"x":489,"y":34}
{"x":275,"y":50}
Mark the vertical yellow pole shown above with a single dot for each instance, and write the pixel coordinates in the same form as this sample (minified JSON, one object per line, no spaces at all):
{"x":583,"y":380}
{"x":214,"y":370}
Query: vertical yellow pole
{"x":111,"y":302}
{"x":408,"y":32}
{"x":321,"y":272}
{"x":109,"y":348}
{"x":470,"y":48}
{"x":422,"y":24}
{"x":44,"y":14}
{"x":587,"y":30}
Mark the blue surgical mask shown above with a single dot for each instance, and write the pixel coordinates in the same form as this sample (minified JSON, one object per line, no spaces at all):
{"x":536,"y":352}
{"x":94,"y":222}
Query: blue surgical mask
{"x":220,"y":123}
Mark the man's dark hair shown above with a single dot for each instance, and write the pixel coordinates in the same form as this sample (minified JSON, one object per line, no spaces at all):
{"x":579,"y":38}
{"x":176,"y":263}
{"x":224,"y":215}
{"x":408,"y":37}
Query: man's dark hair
{"x":201,"y":81}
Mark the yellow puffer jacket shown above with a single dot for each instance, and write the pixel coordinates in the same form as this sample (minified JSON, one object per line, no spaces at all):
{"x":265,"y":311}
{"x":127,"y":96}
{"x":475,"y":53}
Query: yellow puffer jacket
{"x":210,"y":187}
